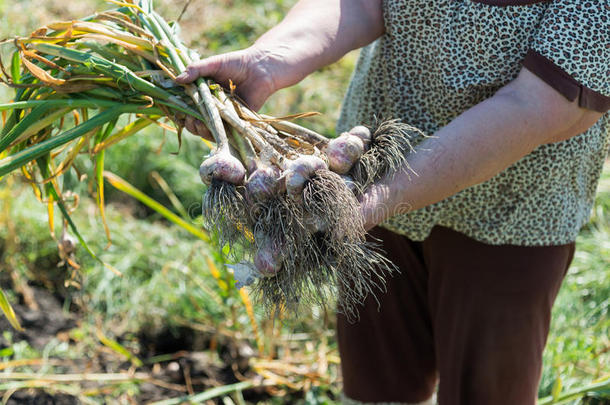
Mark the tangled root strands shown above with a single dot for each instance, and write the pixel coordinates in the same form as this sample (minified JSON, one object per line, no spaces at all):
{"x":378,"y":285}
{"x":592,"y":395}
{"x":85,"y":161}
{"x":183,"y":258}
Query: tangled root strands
{"x":330,"y":206}
{"x":345,"y":281}
{"x":224,"y":209}
{"x":275,"y":219}
{"x":302,"y":278}
{"x":391,"y":143}
{"x":325,"y":266}
{"x":360,"y":272}
{"x":294,"y":286}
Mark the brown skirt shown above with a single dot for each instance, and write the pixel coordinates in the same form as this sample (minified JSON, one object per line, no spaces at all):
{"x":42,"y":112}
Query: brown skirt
{"x":471,"y":316}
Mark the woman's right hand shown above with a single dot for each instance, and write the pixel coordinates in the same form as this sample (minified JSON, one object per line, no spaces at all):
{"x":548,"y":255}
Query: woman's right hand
{"x":314,"y":33}
{"x":250,"y":70}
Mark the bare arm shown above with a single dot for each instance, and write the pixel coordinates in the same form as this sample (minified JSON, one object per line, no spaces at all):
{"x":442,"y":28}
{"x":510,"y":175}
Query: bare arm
{"x":316,"y":33}
{"x":479,"y":144}
{"x":313,"y":34}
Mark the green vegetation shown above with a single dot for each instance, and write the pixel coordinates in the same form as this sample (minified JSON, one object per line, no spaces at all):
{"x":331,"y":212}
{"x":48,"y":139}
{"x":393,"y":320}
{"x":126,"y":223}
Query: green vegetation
{"x":173,"y":324}
{"x":578,"y":349}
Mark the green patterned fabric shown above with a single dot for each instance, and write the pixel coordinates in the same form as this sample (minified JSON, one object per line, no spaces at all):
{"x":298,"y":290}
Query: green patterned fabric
{"x":439,"y":58}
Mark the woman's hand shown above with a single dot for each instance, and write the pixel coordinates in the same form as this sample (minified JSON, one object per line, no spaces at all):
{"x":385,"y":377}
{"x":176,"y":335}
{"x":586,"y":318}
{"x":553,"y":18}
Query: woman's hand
{"x":477,"y":145}
{"x":315,"y":33}
{"x":383,"y":200}
{"x":374,"y":205}
{"x":251,"y":70}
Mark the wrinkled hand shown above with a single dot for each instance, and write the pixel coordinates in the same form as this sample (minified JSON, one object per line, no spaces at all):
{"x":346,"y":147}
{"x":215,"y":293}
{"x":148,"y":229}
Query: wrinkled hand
{"x":249,"y":69}
{"x":382,"y":201}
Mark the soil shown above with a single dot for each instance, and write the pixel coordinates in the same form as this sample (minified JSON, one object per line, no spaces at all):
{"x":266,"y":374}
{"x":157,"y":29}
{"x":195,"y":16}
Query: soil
{"x":188,"y":355}
{"x":41,"y":398}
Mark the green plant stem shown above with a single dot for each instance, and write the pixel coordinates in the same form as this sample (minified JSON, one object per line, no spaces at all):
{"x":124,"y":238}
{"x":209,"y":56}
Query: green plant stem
{"x":21,"y":126}
{"x":207,"y":395}
{"x":566,"y":396}
{"x":19,"y":159}
{"x":162,"y":37}
{"x":8,"y":311}
{"x":127,"y":188}
{"x":97,"y":63}
{"x":53,"y":195}
{"x":205,"y":102}
{"x":59,"y":103}
{"x":41,"y":124}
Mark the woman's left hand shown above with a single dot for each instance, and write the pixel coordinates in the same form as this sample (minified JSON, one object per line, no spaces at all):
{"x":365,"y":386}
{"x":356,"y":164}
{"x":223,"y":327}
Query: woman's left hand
{"x":477,"y":145}
{"x":382,"y":201}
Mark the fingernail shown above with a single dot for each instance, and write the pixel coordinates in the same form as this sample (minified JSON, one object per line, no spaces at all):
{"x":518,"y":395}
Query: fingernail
{"x":181,"y":76}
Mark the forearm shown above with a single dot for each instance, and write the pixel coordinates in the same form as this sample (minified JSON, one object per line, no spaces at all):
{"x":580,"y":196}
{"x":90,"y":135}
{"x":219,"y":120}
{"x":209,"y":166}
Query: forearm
{"x":476,"y":146}
{"x":471,"y":149}
{"x":316,"y":33}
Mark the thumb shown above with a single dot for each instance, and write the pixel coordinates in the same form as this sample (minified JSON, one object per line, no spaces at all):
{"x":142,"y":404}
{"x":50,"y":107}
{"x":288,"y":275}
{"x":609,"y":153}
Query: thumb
{"x":188,"y":76}
{"x":208,"y":67}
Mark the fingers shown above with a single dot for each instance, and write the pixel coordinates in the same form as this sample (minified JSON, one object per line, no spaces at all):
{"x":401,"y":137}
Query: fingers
{"x":203,"y":131}
{"x":179,"y":120}
{"x":253,"y":80}
{"x":256,"y":90}
{"x":189,"y":124}
{"x":188,"y":76}
{"x":197,"y":127}
{"x":208,"y":67}
{"x":253,"y":96}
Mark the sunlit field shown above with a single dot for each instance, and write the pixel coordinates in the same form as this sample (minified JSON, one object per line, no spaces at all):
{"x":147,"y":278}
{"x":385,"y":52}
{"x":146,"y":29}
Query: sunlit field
{"x":173,"y":328}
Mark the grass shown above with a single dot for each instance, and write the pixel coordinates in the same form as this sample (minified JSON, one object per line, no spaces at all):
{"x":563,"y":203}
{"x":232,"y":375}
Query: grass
{"x":174,"y":289}
{"x":579,"y":344}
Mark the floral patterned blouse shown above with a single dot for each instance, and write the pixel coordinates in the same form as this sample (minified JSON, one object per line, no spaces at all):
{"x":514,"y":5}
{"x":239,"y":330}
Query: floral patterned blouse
{"x":440,"y":57}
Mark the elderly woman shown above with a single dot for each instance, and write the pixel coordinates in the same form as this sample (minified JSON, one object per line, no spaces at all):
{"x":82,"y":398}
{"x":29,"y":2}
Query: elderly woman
{"x":515,"y":93}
